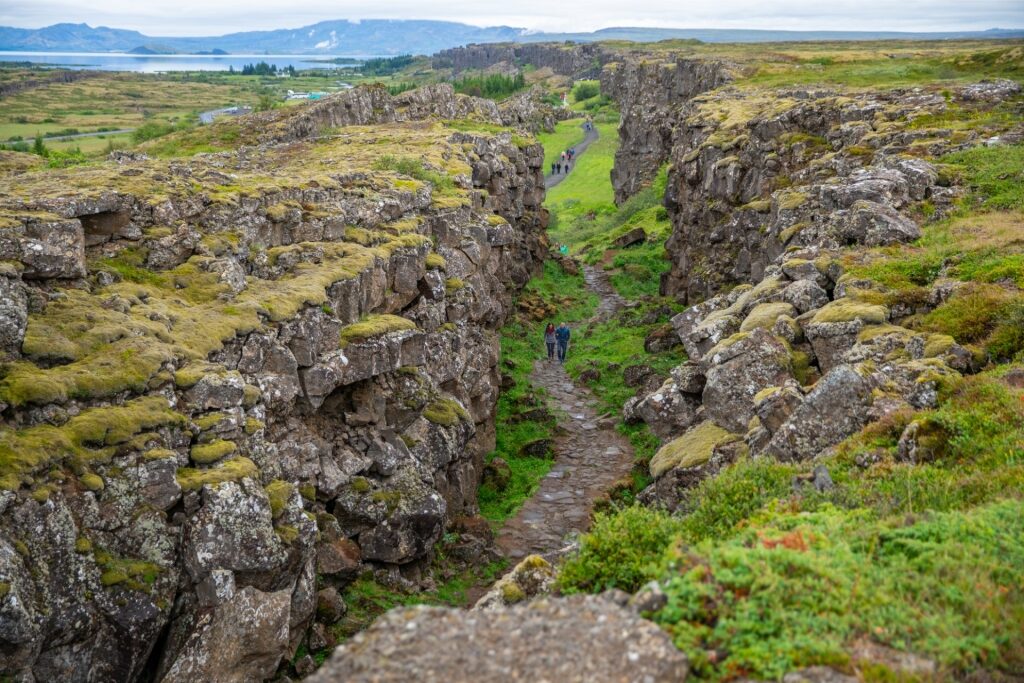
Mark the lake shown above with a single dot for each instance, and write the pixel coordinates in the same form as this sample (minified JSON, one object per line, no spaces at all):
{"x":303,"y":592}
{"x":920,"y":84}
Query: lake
{"x":119,"y":61}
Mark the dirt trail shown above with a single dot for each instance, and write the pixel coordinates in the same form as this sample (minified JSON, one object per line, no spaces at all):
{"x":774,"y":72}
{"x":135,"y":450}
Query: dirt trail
{"x":552,"y":180}
{"x":590,"y":455}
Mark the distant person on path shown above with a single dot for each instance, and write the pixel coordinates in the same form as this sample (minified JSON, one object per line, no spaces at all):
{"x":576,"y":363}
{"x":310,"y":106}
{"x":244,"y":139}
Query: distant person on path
{"x":549,"y":339}
{"x":562,"y":336}
{"x":558,"y":168}
{"x":552,"y":168}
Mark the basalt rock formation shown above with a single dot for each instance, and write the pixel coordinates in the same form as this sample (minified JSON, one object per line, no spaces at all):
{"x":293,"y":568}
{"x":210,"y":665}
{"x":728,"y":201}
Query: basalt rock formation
{"x":650,"y":95}
{"x":575,"y":61}
{"x":774,"y":196}
{"x":234,"y":381}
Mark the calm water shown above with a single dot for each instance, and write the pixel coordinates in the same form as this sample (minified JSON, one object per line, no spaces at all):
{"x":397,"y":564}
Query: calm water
{"x":108,"y":61}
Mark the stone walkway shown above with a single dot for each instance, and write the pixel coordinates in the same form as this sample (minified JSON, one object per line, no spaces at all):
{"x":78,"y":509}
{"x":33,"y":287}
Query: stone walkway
{"x":590,"y":456}
{"x":552,"y":180}
{"x":598,"y":282}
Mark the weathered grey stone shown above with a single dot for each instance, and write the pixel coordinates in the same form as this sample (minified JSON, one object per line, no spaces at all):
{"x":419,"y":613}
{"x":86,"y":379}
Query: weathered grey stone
{"x":835,"y":408}
{"x":532,"y":577}
{"x":232,"y":530}
{"x":667,"y":411}
{"x":805,"y":295}
{"x":580,"y":638}
{"x":13,"y":315}
{"x":241,"y":640}
{"x":736,"y":371}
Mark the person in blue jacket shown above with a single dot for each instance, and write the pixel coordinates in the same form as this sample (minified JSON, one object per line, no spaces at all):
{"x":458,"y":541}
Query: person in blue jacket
{"x":562,"y":336}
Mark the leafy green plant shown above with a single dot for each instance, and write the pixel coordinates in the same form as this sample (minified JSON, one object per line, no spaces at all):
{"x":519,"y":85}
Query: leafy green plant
{"x":622,"y":550}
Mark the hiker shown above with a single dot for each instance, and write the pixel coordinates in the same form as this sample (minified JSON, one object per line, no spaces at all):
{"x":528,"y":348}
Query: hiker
{"x":552,"y":168}
{"x":562,"y":336}
{"x":549,"y":339}
{"x":558,"y":168}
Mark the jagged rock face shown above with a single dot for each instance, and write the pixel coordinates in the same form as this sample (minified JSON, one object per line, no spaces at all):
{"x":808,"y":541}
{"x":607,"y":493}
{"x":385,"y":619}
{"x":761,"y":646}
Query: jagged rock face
{"x":788,"y":355}
{"x":790,"y":169}
{"x":579,"y":638}
{"x":649,"y":94}
{"x":576,"y":61}
{"x":238,"y":371}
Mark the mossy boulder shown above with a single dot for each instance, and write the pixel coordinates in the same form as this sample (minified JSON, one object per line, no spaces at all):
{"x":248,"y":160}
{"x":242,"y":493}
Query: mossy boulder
{"x":691,"y":449}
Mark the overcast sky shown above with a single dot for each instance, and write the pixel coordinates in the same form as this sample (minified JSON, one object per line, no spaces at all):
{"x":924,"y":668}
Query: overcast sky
{"x":215,"y":17}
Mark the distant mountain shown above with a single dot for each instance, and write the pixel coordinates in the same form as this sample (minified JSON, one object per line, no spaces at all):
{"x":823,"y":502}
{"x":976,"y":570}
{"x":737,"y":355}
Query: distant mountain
{"x":394,"y":36}
{"x":367,"y":37}
{"x":70,"y":38}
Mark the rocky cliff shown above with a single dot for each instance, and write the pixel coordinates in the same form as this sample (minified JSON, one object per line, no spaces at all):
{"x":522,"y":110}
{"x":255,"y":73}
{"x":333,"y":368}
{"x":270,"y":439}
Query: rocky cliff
{"x":575,"y":61}
{"x":651,"y":94}
{"x":779,"y":199}
{"x":234,"y":381}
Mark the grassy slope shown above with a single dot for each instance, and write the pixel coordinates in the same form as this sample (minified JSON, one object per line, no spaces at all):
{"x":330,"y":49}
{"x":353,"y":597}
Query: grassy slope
{"x":566,"y":134}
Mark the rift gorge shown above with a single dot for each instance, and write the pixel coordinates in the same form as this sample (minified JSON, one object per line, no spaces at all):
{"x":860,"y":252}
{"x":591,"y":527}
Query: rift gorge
{"x":275,"y":402}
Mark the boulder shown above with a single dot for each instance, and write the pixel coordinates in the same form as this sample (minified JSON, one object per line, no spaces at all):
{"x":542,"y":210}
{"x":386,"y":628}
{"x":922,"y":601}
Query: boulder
{"x":634,"y":375}
{"x":805,"y":295}
{"x":693,"y":448}
{"x":396,"y":523}
{"x":532,"y":577}
{"x":736,"y":370}
{"x":242,"y":639}
{"x":667,"y":411}
{"x":660,"y":339}
{"x":834,"y":409}
{"x":232,"y":530}
{"x":634,"y":236}
{"x":497,"y":474}
{"x":13,"y":315}
{"x":574,"y":639}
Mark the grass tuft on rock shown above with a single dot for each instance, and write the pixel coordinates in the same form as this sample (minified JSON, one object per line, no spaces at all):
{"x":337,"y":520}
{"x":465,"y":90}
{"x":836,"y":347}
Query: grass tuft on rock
{"x":374,"y":326}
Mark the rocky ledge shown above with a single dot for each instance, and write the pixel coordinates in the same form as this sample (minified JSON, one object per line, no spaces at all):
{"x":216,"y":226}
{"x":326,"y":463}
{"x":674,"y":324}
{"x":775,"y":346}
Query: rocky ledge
{"x":779,"y":202}
{"x":234,"y":381}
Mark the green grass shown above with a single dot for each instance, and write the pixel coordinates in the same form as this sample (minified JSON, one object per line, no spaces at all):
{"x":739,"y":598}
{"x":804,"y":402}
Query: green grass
{"x":994,"y":174}
{"x":366,"y":599}
{"x":588,"y":186}
{"x":925,"y":557}
{"x":869,"y":64}
{"x":796,"y":590}
{"x":566,"y":134}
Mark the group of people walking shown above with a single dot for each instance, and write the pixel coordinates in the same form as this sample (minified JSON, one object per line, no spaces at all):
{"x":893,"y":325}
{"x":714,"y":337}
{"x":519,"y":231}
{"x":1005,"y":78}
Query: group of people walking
{"x":557,"y":337}
{"x":564,"y":162}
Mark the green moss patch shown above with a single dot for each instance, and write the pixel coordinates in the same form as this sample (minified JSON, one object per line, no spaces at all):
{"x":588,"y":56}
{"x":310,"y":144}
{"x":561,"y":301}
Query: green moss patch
{"x":279,"y":494}
{"x":191,"y":479}
{"x":849,"y":309}
{"x":691,"y":449}
{"x":446,"y":412}
{"x":374,"y":326}
{"x":91,"y":436}
{"x":207,"y":453}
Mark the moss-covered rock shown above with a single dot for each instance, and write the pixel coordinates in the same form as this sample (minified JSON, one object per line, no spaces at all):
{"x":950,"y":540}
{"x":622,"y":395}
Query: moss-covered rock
{"x":691,"y":449}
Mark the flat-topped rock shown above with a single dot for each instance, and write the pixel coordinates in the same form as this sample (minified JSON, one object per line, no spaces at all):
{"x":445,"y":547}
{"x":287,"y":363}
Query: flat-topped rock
{"x":579,"y":638}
